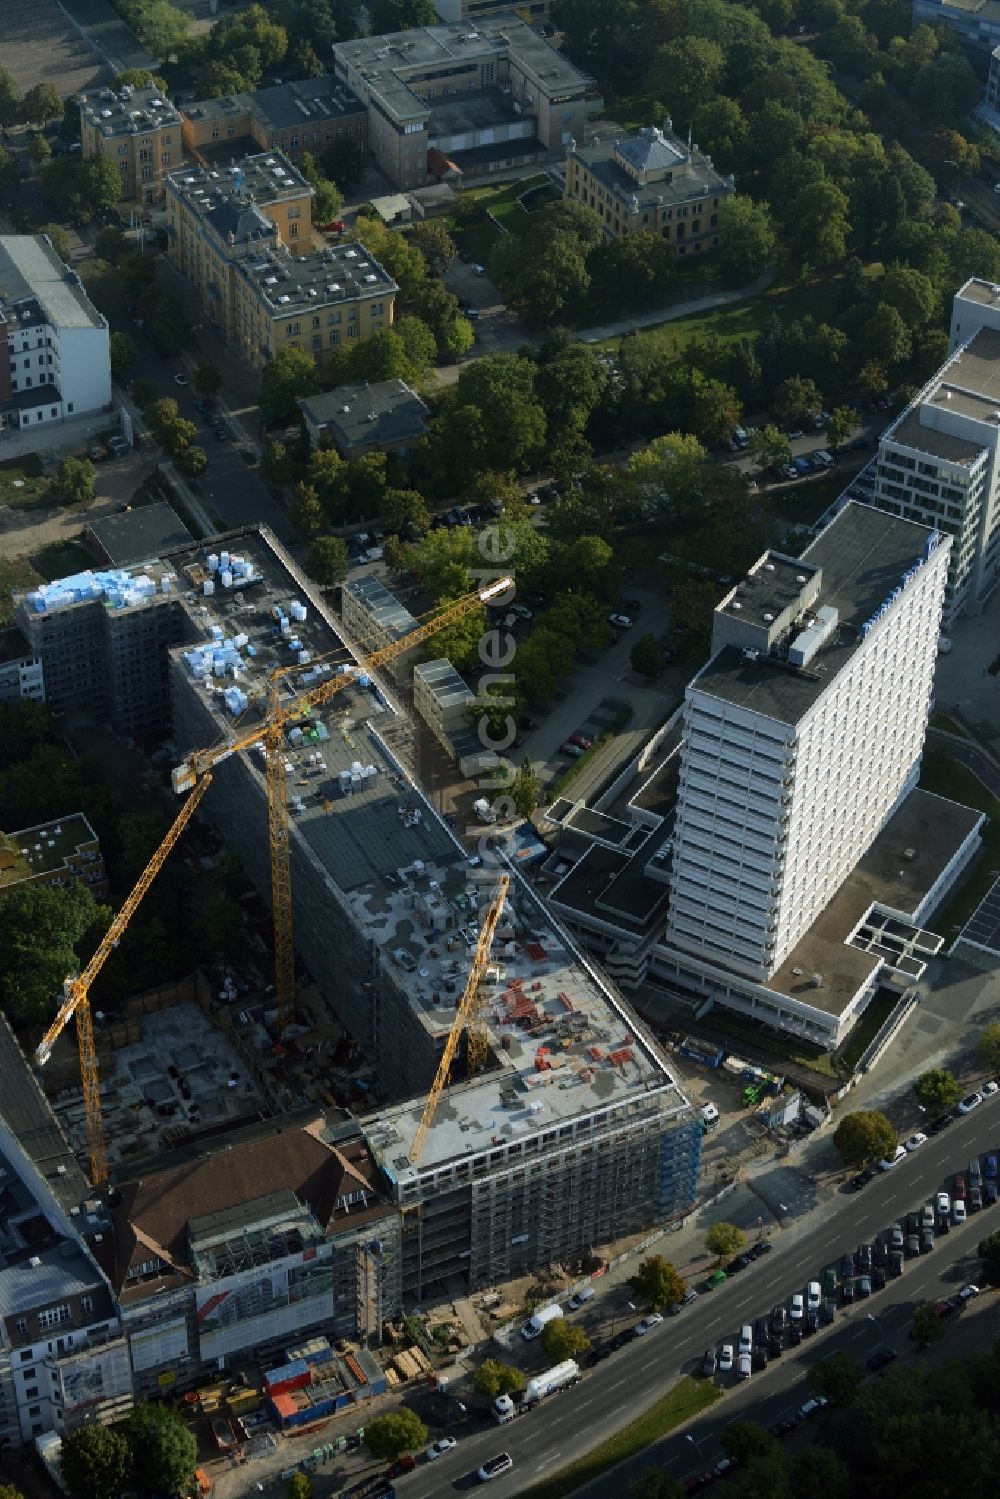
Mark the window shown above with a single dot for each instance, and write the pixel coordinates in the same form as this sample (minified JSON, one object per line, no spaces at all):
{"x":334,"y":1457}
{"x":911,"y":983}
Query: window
{"x":35,"y":1410}
{"x":27,"y":381}
{"x":215,"y":132}
{"x":165,"y":158}
{"x":123,"y":150}
{"x":293,"y":231}
{"x":86,"y":1302}
{"x":352,"y":331}
{"x":31,"y":1393}
{"x":147,"y":172}
{"x":22,"y":1327}
{"x":69,"y":405}
{"x":316,"y":322}
{"x":53,"y":1316}
{"x":317,"y":340}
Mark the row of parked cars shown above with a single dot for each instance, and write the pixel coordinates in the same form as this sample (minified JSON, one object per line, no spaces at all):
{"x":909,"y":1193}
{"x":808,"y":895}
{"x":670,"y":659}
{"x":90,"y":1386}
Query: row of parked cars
{"x":860,"y":1273}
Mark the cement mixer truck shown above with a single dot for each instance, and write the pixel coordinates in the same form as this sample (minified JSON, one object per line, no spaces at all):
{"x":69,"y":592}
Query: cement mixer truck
{"x":536,"y":1390}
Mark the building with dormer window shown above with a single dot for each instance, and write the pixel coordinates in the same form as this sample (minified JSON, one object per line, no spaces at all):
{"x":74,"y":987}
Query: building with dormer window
{"x":653,"y":182}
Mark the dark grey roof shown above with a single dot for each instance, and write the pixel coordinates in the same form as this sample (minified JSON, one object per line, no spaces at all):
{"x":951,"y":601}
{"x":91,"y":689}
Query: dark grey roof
{"x":244,"y":221}
{"x":863,"y":553}
{"x":385,"y":413}
{"x":25,"y":1111}
{"x":650,"y":151}
{"x":138,"y":535}
{"x":38,"y":395}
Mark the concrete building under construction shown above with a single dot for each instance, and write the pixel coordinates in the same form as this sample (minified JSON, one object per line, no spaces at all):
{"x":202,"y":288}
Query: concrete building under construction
{"x":385,"y":914}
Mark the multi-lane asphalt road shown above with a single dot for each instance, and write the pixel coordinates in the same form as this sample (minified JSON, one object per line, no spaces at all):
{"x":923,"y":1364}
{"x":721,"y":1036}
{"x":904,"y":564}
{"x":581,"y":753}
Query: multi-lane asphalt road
{"x":622,"y":1386}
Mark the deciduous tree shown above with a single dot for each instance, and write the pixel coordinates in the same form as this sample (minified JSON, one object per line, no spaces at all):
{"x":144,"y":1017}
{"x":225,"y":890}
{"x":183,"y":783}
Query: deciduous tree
{"x":75,"y":478}
{"x":747,"y":239}
{"x":745,"y":1442}
{"x":988,"y":1250}
{"x":326,"y":560}
{"x":658,"y":1284}
{"x":164,"y":1449}
{"x":561,"y":1339}
{"x":724,"y":1239}
{"x":837,"y":1377}
{"x":937,"y":1089}
{"x":864,"y":1137}
{"x":988,"y":1047}
{"x":494,"y":1378}
{"x":927,"y":1326}
{"x":291,"y":374}
{"x":207,"y":378}
{"x":396,"y":1432}
{"x":96,"y":1462}
{"x":647,"y":657}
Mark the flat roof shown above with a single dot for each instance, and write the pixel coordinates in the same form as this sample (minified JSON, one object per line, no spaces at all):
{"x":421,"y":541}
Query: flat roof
{"x":143,"y":532}
{"x":383,"y":605}
{"x":43,"y":849}
{"x":387,"y":62}
{"x":986,"y":293}
{"x":132,"y":111}
{"x":569,"y":1045}
{"x":448,"y":687}
{"x":27,"y":1114}
{"x":612,"y":886}
{"x":384,"y":412}
{"x":910,"y":432}
{"x":266,"y":177}
{"x":283,"y":104}
{"x":30,"y":268}
{"x":290,"y":283}
{"x":862,"y":553}
{"x":898,"y":871}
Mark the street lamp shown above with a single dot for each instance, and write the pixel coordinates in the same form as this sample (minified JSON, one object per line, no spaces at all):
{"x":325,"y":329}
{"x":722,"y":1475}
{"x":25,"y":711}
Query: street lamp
{"x":696,"y":1445}
{"x":872,"y":1318}
{"x":950,"y":161}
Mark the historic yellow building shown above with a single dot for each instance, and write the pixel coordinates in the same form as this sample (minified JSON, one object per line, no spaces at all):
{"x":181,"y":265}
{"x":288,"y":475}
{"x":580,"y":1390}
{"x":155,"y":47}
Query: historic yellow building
{"x":236,"y":233}
{"x":140,"y":131}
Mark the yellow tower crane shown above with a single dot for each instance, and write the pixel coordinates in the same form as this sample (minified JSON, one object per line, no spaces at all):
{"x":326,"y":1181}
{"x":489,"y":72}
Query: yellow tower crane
{"x":76,"y":993}
{"x":271,"y":733}
{"x":471,"y":1015}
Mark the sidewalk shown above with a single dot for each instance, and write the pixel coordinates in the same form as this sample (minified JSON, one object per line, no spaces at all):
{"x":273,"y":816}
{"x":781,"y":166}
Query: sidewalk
{"x":678,"y":310}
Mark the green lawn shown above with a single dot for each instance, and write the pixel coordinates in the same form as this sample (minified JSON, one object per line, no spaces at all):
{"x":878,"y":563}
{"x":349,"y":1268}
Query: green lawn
{"x":736,"y":321}
{"x":22,"y":486}
{"x":803,"y":504}
{"x":867,"y":1028}
{"x":947,"y":725}
{"x":687,"y":1399}
{"x":15,"y":573}
{"x":502,"y":201}
{"x":946,"y":777}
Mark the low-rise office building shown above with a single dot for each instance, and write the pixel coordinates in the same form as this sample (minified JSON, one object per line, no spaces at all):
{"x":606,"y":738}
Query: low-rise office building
{"x":385,"y":417}
{"x":652,"y":182}
{"x":976,"y":22}
{"x":445,"y":703}
{"x":58,"y":853}
{"x":308,"y":115}
{"x":21,"y":672}
{"x":55,"y":359}
{"x":443,"y":100}
{"x":939,"y":461}
{"x":139,"y":130}
{"x":237,"y":233}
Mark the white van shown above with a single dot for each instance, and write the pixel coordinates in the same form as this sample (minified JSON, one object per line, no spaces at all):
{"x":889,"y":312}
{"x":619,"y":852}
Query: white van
{"x":746,"y":1338}
{"x":580,"y":1297}
{"x":545,"y":1314}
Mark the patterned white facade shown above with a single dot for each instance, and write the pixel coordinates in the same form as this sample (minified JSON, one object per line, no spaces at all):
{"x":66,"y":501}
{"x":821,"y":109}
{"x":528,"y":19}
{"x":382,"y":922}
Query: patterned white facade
{"x":802,"y":735}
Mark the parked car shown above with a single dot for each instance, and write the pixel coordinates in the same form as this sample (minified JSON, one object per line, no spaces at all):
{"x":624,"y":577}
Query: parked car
{"x":784,"y":1427}
{"x":882,"y":1359}
{"x":941,"y":1122}
{"x":620,"y":621}
{"x":739,"y":1263}
{"x":581,"y":740}
{"x":813,"y":1295}
{"x":958,"y":1186}
{"x":958,"y":1211}
{"x":180,"y":378}
{"x":915,"y":1142}
{"x":647,"y":1324}
{"x":798,"y":1307}
{"x":440,"y":1447}
{"x":762,"y":1247}
{"x":709,"y":1363}
{"x":990,"y":1193}
{"x":847,"y":1266}
{"x":990,"y":1167}
{"x":573,"y":750}
{"x":887,"y":1162}
{"x":779,"y":1319}
{"x":975,"y":1199}
{"x":969,"y":1102}
{"x":726,"y":1358}
{"x":896,"y":1262}
{"x":943,"y":1204}
{"x":813,"y":1407}
{"x":896,"y":1236}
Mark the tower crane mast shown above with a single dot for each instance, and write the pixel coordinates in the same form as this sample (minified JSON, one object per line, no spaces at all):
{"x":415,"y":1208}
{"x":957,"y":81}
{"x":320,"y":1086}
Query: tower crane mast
{"x":465,"y":1017}
{"x":272,"y":734}
{"x":76,"y":992}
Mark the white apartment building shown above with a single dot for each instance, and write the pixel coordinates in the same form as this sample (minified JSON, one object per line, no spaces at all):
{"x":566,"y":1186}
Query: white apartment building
{"x":803,"y":734}
{"x":21,"y":673}
{"x":54,"y":351}
{"x":939,"y":461}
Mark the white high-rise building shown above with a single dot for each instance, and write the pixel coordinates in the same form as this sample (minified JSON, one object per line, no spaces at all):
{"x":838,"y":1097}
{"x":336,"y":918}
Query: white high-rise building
{"x":939,"y":461}
{"x":55,"y":358}
{"x":803,"y":734}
